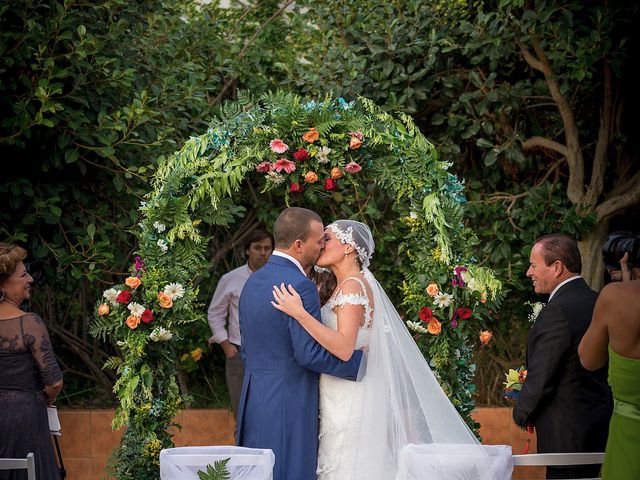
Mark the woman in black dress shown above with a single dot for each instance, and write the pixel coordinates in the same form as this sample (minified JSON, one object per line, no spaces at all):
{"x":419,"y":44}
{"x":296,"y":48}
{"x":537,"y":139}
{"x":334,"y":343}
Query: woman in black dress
{"x":30,"y":377}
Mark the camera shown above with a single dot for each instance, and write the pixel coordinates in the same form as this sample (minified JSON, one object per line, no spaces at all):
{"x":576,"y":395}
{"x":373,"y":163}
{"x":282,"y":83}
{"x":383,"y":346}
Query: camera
{"x":615,"y":247}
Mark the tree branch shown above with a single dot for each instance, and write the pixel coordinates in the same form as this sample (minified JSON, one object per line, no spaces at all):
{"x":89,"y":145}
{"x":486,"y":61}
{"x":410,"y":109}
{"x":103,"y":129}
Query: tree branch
{"x":615,"y":204}
{"x":575,"y":160}
{"x":596,"y":186}
{"x":543,"y":142}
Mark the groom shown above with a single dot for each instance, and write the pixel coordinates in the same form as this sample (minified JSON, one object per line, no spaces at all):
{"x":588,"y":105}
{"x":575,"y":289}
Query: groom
{"x":279,"y":402}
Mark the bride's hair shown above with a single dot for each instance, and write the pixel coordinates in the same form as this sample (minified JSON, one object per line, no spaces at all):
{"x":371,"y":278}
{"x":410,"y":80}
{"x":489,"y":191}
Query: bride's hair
{"x":326,"y":282}
{"x":358,"y":235}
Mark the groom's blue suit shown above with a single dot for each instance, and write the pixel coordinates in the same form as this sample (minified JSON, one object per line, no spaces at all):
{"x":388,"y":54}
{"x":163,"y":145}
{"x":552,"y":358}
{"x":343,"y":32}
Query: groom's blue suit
{"x":279,"y":402}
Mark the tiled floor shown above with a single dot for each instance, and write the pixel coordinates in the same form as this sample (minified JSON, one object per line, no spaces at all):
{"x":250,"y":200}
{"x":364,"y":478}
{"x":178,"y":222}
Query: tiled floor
{"x":87,"y":440}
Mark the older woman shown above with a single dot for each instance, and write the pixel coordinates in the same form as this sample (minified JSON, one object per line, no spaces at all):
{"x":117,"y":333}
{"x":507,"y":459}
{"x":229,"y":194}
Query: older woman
{"x":29,"y":374}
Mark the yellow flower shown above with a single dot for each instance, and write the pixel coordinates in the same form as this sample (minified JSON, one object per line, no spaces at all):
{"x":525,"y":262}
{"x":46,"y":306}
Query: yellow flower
{"x":197,"y":354}
{"x":133,"y":321}
{"x":133,"y":282}
{"x":195,"y":223}
{"x":103,"y":309}
{"x":432,"y":289}
{"x":165,"y":300}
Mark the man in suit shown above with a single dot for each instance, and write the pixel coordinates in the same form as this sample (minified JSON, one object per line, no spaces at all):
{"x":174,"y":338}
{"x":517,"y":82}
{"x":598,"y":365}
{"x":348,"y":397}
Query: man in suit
{"x":569,"y":406}
{"x":279,"y":401}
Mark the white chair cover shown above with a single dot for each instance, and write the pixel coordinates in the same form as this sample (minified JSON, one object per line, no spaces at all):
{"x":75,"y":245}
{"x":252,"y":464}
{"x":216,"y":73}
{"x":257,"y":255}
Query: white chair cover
{"x":183,"y":463}
{"x":450,"y":461}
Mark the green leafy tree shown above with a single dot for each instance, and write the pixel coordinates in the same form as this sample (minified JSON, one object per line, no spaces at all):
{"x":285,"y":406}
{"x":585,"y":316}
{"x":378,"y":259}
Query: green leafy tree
{"x":529,"y":100}
{"x":93,"y":95}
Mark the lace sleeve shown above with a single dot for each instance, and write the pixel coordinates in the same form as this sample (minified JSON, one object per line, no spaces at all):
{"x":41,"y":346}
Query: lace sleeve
{"x":358,"y":298}
{"x":36,"y":339}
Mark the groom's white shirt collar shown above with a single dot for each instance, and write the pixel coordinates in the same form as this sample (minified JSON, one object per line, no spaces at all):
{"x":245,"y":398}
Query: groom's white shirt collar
{"x":289,"y":257}
{"x":563,"y":283}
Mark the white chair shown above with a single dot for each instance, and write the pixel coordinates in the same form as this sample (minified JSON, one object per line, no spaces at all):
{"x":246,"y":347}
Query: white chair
{"x":468,"y":461}
{"x":559,"y":459}
{"x":183,"y":463}
{"x":28,"y":464}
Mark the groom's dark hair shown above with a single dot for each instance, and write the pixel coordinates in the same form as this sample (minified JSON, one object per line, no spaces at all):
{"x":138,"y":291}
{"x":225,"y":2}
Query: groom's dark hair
{"x":558,"y":246}
{"x":293,"y":224}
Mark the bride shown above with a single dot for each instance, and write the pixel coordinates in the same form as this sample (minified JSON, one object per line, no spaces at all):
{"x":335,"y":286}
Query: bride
{"x":396,"y":422}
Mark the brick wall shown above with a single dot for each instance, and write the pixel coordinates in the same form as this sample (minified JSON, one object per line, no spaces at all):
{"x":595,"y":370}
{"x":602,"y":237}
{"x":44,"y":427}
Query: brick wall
{"x":87,"y":439}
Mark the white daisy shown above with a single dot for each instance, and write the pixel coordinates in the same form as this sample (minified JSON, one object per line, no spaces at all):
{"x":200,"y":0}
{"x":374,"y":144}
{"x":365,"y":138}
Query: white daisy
{"x":442,"y":300}
{"x":160,"y":227}
{"x":174,"y":290}
{"x":323,"y":155}
{"x":163,"y":245}
{"x":160,"y":334}
{"x":274,"y":177}
{"x":136,"y":309}
{"x":111,"y":295}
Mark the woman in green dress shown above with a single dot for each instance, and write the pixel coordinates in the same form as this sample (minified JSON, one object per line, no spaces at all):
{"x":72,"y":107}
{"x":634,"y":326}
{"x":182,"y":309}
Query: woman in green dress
{"x":614,"y":335}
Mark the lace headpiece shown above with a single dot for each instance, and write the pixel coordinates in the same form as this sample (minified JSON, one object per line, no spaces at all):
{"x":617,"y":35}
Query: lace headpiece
{"x":356,"y":234}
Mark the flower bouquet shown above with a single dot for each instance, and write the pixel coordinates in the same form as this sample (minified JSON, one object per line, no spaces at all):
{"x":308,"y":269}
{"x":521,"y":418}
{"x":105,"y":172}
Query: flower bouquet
{"x":514,"y":383}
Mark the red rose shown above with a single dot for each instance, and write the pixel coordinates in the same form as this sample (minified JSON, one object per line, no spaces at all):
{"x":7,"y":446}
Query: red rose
{"x":124,"y":297}
{"x":295,"y":188}
{"x":301,"y":155}
{"x":464,"y":313}
{"x":330,"y":184}
{"x":147,"y":316}
{"x":426,"y":314}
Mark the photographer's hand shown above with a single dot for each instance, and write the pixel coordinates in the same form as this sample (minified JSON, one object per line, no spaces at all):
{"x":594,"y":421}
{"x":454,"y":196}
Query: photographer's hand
{"x":624,"y":267}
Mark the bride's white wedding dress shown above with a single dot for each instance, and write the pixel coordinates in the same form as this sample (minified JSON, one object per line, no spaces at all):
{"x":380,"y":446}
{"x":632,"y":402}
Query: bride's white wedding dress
{"x":396,"y":423}
{"x":339,"y":424}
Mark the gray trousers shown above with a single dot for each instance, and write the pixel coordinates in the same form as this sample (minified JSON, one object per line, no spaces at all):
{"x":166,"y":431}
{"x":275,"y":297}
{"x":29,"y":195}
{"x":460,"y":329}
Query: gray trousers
{"x":234,"y":373}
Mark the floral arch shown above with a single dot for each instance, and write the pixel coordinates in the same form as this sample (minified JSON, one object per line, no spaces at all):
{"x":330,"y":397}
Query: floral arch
{"x":326,"y":154}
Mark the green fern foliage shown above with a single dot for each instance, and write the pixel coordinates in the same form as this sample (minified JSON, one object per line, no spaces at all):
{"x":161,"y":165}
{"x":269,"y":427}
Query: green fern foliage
{"x":218,"y":471}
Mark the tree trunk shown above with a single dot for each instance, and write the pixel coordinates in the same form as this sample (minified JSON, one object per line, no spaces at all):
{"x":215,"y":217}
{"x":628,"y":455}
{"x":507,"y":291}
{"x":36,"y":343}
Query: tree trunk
{"x":591,"y":251}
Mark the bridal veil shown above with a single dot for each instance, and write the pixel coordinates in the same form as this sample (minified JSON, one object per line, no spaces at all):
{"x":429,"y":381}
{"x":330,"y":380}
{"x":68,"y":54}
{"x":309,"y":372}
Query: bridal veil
{"x":409,"y":428}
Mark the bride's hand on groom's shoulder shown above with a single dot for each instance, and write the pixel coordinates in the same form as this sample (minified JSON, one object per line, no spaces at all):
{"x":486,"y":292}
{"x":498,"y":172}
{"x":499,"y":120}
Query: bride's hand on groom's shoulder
{"x":287,"y":300}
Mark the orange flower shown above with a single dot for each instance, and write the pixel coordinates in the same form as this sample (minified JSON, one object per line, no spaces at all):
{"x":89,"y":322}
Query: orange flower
{"x":133,"y":282}
{"x":310,"y":177}
{"x":311,"y":136}
{"x":336,"y":173}
{"x":485,"y":336}
{"x":133,"y":321}
{"x":165,"y":300}
{"x":103,"y":309}
{"x":197,"y":354}
{"x":483,"y":297}
{"x":434,"y":327}
{"x":432,"y":289}
{"x":355,"y":143}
